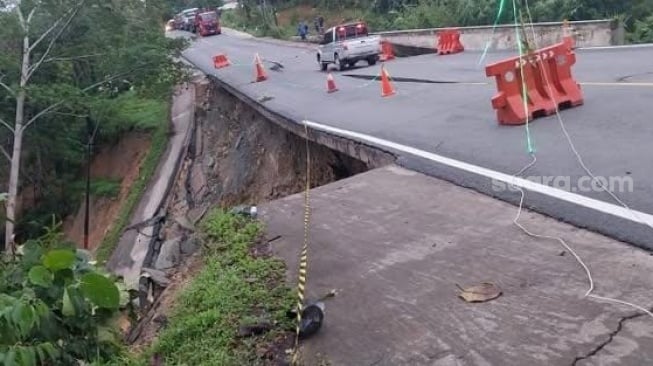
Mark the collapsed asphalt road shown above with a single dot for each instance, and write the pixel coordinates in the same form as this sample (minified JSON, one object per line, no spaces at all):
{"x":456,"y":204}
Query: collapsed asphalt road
{"x":450,"y":130}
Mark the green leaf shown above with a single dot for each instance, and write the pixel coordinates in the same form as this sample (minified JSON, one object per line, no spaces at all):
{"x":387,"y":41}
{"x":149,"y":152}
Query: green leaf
{"x":40,"y":276}
{"x":47,"y":352}
{"x":106,"y":335}
{"x":27,"y":356}
{"x":10,"y":358}
{"x":23,"y":318}
{"x":100,"y":290}
{"x":67,"y":308}
{"x":59,"y":259}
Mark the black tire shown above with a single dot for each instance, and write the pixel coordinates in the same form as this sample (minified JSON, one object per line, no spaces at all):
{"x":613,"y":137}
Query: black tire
{"x":371,"y":61}
{"x":323,"y":65}
{"x":340,"y":64}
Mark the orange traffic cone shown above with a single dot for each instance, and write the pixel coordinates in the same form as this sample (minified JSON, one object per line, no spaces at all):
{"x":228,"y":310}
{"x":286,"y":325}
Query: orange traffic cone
{"x":331,"y":84}
{"x":260,"y":70}
{"x":386,"y":87}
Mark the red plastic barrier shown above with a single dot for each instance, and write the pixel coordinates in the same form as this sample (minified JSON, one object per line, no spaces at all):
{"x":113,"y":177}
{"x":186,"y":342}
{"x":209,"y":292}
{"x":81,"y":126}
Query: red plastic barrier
{"x":542,"y":77}
{"x":387,"y":52}
{"x":220,"y":61}
{"x":449,"y":42}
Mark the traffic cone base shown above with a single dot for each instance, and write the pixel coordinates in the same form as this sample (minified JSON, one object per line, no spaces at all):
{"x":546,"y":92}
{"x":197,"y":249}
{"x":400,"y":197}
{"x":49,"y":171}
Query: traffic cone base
{"x":386,"y":87}
{"x":331,"y":84}
{"x":260,"y":70}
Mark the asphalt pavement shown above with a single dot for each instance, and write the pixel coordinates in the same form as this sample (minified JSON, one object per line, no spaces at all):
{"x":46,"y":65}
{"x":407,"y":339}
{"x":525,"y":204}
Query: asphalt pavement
{"x":445,"y":126}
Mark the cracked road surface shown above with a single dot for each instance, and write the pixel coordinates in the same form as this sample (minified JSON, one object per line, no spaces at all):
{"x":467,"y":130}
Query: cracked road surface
{"x":612,"y":130}
{"x":396,"y":257}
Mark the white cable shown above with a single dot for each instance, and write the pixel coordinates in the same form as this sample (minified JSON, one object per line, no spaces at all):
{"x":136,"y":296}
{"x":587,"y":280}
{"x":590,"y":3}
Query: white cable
{"x":587,"y":170}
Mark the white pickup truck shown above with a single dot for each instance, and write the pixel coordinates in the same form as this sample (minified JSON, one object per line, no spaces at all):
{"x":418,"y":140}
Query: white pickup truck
{"x":346,"y":44}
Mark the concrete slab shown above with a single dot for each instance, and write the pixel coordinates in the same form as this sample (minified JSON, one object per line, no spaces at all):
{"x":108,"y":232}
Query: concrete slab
{"x":128,"y":257}
{"x":396,"y":244}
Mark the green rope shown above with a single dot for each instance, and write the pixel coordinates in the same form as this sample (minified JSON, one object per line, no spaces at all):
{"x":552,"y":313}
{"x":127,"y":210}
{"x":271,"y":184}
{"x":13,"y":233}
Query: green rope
{"x":496,"y":22}
{"x":529,"y":143}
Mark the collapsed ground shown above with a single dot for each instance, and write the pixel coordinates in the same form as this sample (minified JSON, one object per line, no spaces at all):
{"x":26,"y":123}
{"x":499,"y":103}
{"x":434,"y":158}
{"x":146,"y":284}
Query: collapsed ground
{"x":236,"y":157}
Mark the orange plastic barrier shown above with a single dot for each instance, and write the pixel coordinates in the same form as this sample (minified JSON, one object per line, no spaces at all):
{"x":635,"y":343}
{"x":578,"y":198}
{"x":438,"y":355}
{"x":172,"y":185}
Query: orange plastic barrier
{"x":220,"y":61}
{"x":449,"y":42}
{"x":535,"y":84}
{"x":387,"y":52}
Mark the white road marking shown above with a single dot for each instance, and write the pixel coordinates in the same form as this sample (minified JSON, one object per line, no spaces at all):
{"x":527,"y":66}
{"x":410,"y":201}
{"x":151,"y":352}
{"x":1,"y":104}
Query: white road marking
{"x":626,"y":46}
{"x":608,"y":208}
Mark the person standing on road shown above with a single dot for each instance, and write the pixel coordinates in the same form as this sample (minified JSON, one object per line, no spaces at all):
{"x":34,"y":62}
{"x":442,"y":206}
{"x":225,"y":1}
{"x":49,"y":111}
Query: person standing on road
{"x":301,"y":30}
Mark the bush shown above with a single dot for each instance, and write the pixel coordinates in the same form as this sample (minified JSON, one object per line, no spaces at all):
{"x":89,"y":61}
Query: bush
{"x":56,"y":307}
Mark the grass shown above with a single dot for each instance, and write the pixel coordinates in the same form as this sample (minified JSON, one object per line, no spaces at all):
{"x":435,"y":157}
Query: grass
{"x":232,"y":289}
{"x":156,"y":116}
{"x":105,"y":188}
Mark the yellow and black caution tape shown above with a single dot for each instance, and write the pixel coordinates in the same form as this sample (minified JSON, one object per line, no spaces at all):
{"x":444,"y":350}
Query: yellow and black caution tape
{"x":303,"y":257}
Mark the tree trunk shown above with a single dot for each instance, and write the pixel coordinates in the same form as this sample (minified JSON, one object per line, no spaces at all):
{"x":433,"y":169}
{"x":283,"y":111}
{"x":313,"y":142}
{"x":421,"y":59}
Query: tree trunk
{"x":14,"y":170}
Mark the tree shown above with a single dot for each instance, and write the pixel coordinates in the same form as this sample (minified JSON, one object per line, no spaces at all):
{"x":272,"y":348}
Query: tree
{"x":62,"y":58}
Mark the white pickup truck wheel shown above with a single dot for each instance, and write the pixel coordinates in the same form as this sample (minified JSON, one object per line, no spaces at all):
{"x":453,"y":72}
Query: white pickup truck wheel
{"x":342,"y":65}
{"x":323,"y":65}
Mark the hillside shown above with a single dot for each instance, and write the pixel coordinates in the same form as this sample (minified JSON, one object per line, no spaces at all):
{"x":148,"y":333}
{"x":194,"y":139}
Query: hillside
{"x":637,"y":15}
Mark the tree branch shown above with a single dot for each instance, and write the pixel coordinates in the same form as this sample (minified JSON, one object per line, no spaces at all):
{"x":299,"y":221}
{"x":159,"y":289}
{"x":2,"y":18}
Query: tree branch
{"x":2,"y":122}
{"x":73,"y":11}
{"x":54,"y":25}
{"x":7,"y":87}
{"x":5,"y":153}
{"x":57,"y":104}
{"x":53,"y":59}
{"x":21,"y":19}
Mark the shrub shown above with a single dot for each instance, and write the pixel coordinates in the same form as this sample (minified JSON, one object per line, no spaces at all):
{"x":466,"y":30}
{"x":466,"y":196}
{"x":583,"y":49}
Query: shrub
{"x":55,"y":306}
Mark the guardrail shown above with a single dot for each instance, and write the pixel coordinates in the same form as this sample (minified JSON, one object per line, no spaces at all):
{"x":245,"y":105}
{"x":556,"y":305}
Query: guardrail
{"x":588,"y":33}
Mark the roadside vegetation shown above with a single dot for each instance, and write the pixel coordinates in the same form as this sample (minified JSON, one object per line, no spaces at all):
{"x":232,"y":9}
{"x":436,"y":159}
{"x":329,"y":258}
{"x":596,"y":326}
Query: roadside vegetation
{"x":56,"y":307}
{"x":75,"y":72}
{"x":637,"y":15}
{"x":239,"y":291}
{"x":154,"y":119}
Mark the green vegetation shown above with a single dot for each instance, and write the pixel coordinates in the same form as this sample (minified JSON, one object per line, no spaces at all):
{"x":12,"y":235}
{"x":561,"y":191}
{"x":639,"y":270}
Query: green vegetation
{"x":157,"y":147}
{"x":108,"y":188}
{"x":92,"y":68}
{"x":233,"y":288}
{"x":411,"y":14}
{"x":56,"y":307}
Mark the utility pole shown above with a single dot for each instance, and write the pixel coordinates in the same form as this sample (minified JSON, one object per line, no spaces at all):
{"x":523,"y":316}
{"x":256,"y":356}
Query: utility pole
{"x":89,"y":143}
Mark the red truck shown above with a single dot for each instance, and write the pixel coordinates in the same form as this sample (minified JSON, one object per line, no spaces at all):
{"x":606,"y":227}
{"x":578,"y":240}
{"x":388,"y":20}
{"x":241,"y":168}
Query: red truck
{"x":207,"y":23}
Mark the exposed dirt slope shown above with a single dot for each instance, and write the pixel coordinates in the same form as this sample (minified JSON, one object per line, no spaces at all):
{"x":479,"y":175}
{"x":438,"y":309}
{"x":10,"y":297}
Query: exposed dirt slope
{"x":119,"y":162}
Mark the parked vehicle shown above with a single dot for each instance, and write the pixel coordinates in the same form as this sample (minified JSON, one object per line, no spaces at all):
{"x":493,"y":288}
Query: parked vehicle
{"x":206,"y":23}
{"x":170,"y":25}
{"x":346,"y":44}
{"x":188,"y":18}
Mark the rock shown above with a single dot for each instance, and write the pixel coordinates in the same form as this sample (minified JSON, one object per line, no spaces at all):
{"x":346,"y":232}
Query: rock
{"x":169,"y":255}
{"x":210,"y":161}
{"x":158,"y":277}
{"x":184,"y":222}
{"x":190,"y":245}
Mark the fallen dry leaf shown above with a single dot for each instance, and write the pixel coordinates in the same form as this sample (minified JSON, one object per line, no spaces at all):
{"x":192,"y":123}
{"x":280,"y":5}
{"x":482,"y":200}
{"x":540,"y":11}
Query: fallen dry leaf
{"x":480,"y":293}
